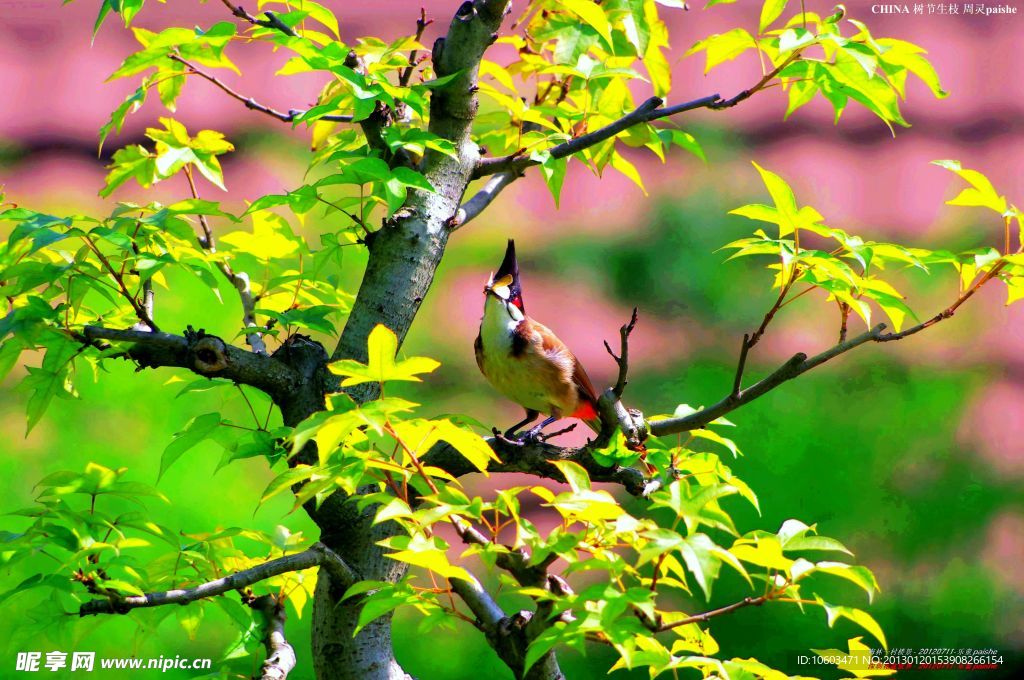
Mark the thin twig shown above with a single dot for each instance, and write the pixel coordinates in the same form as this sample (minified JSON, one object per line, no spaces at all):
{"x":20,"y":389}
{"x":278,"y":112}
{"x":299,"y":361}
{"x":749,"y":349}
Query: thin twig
{"x":251,"y":103}
{"x":844,"y":313}
{"x":797,"y":365}
{"x":701,"y":618}
{"x":741,"y":364}
{"x":622,"y":359}
{"x":948,"y":311}
{"x":421,"y":25}
{"x":272,"y":20}
{"x":240,"y":280}
{"x":648,"y":111}
{"x":140,"y":310}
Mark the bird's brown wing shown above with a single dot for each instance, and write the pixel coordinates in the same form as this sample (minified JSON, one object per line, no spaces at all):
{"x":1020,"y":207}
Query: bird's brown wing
{"x":582,"y":381}
{"x":550,"y":343}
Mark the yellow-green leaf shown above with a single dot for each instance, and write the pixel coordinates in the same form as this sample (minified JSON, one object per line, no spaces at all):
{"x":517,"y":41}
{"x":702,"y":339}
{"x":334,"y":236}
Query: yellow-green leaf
{"x":592,"y":14}
{"x":770,"y":11}
{"x":382,"y":345}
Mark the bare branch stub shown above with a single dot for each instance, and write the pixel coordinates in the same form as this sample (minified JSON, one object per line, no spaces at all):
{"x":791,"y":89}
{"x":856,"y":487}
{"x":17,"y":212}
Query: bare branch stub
{"x":737,"y":382}
{"x":421,"y":25}
{"x":622,"y":359}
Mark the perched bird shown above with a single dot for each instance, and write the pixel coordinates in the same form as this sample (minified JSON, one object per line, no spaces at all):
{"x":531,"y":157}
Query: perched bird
{"x":526,"y":362}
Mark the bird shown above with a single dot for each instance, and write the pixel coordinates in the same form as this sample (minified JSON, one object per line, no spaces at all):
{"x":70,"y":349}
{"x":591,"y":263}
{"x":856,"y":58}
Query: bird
{"x":526,"y":362}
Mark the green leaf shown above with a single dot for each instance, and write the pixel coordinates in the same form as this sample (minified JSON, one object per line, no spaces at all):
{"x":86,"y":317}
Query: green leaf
{"x":723,"y":47}
{"x":197,"y":430}
{"x":770,"y":11}
{"x":540,"y":646}
{"x":575,"y":476}
{"x":861,"y":576}
{"x":592,"y":14}
{"x":782,"y":196}
{"x":980,"y":193}
{"x":908,"y":56}
{"x":860,"y":617}
{"x":131,"y":104}
{"x":698,"y":554}
{"x":553,"y":171}
{"x":382,"y":346}
{"x":52,"y":378}
{"x":684,"y":140}
{"x":130,"y":162}
{"x":470,"y":445}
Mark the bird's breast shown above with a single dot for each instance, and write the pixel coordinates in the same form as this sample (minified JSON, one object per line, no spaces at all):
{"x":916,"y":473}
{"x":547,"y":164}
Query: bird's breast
{"x":511,"y":360}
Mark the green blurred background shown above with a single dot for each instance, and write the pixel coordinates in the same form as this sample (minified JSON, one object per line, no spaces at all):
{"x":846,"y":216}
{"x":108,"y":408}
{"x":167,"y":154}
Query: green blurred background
{"x":910,"y":454}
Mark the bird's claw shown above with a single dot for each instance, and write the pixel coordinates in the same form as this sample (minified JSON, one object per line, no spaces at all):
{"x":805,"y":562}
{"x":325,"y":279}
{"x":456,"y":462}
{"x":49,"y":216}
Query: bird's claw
{"x":537,"y":436}
{"x":543,"y":437}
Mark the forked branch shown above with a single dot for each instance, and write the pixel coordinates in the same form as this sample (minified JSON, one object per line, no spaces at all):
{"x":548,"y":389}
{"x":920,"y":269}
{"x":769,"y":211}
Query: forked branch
{"x":797,"y":365}
{"x":622,"y":358}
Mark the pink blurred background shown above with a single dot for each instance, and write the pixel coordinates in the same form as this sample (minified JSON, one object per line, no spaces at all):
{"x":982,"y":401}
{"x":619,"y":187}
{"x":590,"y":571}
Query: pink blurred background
{"x":858,"y":175}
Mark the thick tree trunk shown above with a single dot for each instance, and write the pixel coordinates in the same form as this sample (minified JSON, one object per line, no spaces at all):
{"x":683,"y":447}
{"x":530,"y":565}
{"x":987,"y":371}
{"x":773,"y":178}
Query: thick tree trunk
{"x":339,"y":654}
{"x":404,"y":255}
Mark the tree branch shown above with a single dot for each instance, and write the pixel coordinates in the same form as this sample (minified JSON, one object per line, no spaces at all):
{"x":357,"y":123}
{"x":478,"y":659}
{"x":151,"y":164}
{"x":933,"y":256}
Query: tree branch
{"x":482,"y":198}
{"x":948,"y":311}
{"x":622,"y":359}
{"x":479,"y":601}
{"x":272,"y":20}
{"x":251,"y":103}
{"x":537,"y":459}
{"x":204,"y":354}
{"x":316,"y":555}
{"x":701,"y":618}
{"x":510,"y":636}
{"x":421,"y":25}
{"x":405,"y":254}
{"x":240,"y":280}
{"x":280,"y":659}
{"x":647,"y":112}
{"x":797,"y":365}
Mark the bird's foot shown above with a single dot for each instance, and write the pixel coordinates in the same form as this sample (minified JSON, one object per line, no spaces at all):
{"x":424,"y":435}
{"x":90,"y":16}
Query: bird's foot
{"x":535,"y":435}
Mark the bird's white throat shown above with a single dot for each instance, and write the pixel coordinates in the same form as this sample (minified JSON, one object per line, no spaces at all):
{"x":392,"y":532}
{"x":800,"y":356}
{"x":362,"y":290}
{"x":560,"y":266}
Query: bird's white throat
{"x":499,"y":323}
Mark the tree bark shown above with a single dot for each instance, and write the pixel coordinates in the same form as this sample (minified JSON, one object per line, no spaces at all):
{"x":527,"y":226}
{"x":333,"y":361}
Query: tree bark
{"x":403,"y":257}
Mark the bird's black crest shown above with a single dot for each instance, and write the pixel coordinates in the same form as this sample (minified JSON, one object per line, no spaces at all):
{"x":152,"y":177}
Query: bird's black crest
{"x":510,"y":267}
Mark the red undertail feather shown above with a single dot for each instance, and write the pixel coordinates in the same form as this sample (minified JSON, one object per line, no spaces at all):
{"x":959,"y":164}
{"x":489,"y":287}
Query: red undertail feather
{"x":588,"y":414}
{"x":587,"y":409}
